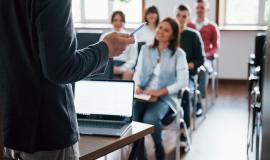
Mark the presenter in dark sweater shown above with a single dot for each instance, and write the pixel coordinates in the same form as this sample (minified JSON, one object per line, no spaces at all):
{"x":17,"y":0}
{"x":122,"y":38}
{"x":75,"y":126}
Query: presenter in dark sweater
{"x":38,"y":61}
{"x":191,"y":43}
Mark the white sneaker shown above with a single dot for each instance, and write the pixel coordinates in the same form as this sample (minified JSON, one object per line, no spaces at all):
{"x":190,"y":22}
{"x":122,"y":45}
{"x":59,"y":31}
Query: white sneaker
{"x":199,"y":112}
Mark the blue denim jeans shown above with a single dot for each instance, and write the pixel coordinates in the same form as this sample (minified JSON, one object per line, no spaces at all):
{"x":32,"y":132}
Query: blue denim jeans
{"x":203,"y":81}
{"x":192,"y":86}
{"x":152,"y":113}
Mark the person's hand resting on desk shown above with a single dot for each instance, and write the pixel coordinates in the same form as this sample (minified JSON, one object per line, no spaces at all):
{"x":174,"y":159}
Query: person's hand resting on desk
{"x":117,"y":43}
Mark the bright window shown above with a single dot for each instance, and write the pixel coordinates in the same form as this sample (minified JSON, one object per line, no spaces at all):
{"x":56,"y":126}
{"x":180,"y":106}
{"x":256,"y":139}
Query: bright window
{"x":243,"y":12}
{"x":96,"y":10}
{"x":266,"y":13}
{"x":99,"y":11}
{"x":132,"y":10}
{"x":76,"y":7}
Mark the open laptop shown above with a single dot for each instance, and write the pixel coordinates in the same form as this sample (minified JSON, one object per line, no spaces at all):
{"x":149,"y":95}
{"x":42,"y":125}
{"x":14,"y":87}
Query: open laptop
{"x":104,"y":107}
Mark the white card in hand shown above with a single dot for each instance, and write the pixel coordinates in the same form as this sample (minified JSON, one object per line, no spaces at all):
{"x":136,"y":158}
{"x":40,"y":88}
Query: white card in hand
{"x":144,"y":97}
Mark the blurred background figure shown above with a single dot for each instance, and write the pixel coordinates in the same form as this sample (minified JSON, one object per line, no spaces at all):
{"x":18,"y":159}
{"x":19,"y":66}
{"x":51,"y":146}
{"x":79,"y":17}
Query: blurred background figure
{"x":147,"y":33}
{"x":210,"y":36}
{"x":124,"y":63}
{"x":191,"y":43}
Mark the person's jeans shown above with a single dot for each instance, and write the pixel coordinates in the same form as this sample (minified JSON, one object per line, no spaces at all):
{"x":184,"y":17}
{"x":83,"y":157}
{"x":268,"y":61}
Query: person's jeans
{"x":69,"y":153}
{"x":203,"y":81}
{"x":152,"y":113}
{"x":185,"y":103}
{"x":192,"y":86}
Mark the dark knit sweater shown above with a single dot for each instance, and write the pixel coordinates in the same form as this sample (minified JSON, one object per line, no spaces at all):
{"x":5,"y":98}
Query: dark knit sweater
{"x":191,"y":43}
{"x":38,"y":61}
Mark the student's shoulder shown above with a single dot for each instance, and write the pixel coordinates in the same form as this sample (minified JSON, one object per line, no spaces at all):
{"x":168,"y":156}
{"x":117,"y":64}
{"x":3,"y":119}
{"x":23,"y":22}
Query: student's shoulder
{"x":192,"y":32}
{"x":212,"y":24}
{"x":191,"y":25}
{"x":147,"y":48}
{"x":180,"y":52}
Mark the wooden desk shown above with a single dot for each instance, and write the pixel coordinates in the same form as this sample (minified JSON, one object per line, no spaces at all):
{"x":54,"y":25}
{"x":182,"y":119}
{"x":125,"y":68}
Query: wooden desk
{"x":93,"y":147}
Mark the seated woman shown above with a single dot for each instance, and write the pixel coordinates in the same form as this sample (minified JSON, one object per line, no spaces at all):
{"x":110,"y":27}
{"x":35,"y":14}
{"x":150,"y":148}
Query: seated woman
{"x":161,"y":72}
{"x":147,"y":33}
{"x":126,"y":61}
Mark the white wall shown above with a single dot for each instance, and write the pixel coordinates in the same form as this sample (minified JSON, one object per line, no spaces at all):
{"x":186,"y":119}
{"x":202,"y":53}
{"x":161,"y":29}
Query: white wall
{"x":234,"y":53}
{"x":235,"y":45}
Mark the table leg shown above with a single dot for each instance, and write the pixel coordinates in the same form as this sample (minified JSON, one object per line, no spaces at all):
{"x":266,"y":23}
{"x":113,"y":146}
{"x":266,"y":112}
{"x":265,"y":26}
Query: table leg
{"x":137,"y":151}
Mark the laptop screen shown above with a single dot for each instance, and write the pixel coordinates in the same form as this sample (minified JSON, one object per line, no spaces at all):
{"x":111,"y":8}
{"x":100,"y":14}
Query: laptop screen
{"x":104,"y":97}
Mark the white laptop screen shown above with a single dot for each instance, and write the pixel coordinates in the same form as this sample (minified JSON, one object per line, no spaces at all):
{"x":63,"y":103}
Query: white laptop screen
{"x":104,"y":97}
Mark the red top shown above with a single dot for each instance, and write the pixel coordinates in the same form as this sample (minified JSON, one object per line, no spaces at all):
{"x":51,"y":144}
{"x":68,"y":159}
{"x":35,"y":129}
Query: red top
{"x":210,"y":36}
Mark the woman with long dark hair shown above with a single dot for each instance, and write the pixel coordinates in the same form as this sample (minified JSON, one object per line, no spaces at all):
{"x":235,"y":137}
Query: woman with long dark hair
{"x":147,"y":33}
{"x":161,"y":72}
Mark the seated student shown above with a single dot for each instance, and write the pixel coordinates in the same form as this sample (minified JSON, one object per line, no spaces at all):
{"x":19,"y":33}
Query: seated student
{"x":191,"y":43}
{"x":161,"y":72}
{"x":126,"y":61}
{"x":147,"y":33}
{"x":210,"y":36}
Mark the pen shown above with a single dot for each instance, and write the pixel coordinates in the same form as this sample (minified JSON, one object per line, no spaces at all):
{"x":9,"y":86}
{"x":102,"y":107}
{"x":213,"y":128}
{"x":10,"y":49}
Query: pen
{"x":137,"y":29}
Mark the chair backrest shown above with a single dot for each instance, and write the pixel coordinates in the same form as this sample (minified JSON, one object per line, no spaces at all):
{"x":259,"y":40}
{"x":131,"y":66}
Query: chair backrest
{"x":259,"y":47}
{"x":86,"y":38}
{"x":260,"y":43}
{"x":139,"y":45}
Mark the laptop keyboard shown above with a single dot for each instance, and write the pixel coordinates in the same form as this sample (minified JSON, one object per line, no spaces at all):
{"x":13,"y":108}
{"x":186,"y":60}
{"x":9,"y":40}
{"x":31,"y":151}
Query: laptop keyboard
{"x":101,"y":125}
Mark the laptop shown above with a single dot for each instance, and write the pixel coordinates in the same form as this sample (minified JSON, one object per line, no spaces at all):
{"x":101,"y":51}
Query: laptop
{"x":104,"y":107}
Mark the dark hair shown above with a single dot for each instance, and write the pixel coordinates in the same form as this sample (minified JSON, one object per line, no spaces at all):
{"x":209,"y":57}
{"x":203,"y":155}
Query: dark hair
{"x":174,"y":41}
{"x":121,"y":14}
{"x":183,"y":7}
{"x":152,"y":9}
{"x":199,"y":1}
{"x":206,"y":2}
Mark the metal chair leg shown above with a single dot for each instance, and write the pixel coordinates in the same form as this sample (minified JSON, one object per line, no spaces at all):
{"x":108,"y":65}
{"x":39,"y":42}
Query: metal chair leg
{"x":194,"y":109}
{"x":212,"y":88}
{"x":187,"y":134}
{"x":177,"y":149}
